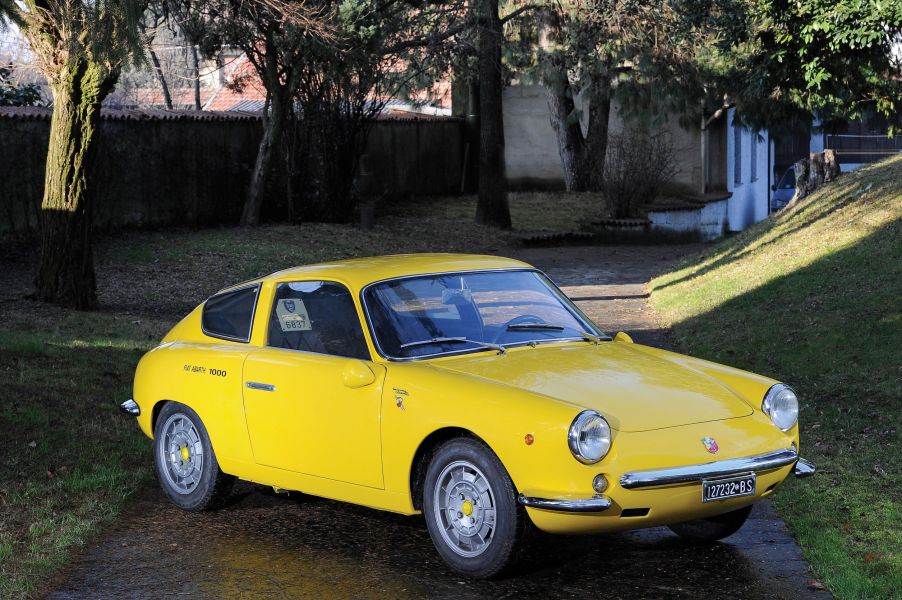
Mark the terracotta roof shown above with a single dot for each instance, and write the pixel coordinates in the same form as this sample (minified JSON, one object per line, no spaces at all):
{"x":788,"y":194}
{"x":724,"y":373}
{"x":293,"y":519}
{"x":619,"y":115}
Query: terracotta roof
{"x":182,"y":97}
{"x":36,"y":113}
{"x":250,"y":88}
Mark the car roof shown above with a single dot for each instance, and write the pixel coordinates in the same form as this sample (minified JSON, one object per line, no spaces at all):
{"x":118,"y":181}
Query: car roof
{"x":359,"y":272}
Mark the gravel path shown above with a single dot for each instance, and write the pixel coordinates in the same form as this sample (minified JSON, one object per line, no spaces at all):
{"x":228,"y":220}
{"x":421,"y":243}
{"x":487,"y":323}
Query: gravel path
{"x":268,"y":546}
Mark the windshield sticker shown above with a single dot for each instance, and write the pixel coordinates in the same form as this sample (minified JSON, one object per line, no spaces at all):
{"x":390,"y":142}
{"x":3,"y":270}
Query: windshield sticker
{"x":293,"y":315}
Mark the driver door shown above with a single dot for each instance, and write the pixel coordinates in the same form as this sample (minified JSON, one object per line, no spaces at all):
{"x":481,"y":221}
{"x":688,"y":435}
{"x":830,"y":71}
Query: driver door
{"x":312,"y":396}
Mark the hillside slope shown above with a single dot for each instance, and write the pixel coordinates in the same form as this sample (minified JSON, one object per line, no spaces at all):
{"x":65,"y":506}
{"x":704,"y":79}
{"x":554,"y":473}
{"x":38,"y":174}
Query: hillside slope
{"x":813,"y":297}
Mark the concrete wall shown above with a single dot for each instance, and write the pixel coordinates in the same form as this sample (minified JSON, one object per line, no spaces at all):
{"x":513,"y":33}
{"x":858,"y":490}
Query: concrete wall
{"x":709,"y":221}
{"x":530,"y":146}
{"x":158,"y":167}
{"x":687,"y":149}
{"x":531,"y":150}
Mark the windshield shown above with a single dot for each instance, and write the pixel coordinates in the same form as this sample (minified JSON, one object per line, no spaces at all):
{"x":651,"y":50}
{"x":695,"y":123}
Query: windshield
{"x":789,"y":180}
{"x":469,"y":312}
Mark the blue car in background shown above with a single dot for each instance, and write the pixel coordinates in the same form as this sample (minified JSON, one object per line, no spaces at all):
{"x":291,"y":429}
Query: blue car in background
{"x":784,"y":190}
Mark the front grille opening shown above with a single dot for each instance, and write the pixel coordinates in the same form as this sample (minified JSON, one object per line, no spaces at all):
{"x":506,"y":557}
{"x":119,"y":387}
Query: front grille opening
{"x":771,"y":488}
{"x":634,"y":512}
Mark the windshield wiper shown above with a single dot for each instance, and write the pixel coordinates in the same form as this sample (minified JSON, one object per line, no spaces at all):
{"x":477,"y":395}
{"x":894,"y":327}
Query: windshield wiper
{"x":454,"y":340}
{"x":551,"y":327}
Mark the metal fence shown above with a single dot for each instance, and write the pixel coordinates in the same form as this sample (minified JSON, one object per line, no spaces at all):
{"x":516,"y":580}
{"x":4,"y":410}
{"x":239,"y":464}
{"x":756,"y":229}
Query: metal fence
{"x":858,"y":148}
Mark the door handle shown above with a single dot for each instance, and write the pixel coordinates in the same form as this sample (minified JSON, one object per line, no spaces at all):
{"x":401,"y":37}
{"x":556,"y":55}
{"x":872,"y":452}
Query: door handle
{"x":263,"y":387}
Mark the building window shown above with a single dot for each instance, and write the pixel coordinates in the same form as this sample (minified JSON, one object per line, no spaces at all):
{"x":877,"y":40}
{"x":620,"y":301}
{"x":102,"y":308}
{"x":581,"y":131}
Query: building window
{"x":753,"y":156}
{"x":737,"y":152}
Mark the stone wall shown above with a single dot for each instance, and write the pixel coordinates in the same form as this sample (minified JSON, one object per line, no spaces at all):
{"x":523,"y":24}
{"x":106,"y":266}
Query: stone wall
{"x":707,"y":221}
{"x":162,"y":167}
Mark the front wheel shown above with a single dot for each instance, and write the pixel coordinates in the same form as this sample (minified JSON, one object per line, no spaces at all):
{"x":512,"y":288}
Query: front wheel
{"x":714,"y":528}
{"x":185,"y":462}
{"x":471,"y":510}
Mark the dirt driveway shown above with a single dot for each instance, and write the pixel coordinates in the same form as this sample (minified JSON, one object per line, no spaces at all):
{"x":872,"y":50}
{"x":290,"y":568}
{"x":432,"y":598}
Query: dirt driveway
{"x":268,"y":546}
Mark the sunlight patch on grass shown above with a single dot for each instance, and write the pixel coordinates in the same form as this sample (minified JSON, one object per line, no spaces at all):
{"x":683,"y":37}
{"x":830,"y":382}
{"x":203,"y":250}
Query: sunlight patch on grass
{"x":811,"y":297}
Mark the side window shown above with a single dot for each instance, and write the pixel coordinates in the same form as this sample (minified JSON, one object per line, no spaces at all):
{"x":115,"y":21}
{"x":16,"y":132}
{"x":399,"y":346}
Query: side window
{"x":230,"y":315}
{"x":316,"y":316}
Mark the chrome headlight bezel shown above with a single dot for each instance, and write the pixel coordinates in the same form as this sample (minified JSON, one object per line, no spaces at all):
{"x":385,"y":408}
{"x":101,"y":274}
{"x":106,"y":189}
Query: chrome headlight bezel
{"x":579,"y":432}
{"x":775,"y":406}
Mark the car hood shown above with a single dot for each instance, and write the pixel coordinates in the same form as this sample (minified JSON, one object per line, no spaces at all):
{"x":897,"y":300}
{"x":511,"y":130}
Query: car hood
{"x":634,"y":389}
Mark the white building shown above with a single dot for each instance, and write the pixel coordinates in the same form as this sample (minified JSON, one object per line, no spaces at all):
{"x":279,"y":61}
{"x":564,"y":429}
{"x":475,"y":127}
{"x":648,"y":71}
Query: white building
{"x":725,"y":173}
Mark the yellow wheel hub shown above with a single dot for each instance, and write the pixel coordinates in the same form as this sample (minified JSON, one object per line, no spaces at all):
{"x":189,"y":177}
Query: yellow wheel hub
{"x":466,"y":508}
{"x":185,"y":453}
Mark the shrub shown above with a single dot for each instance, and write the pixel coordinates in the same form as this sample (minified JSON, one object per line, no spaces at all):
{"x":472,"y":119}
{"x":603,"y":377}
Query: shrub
{"x":640,"y":164}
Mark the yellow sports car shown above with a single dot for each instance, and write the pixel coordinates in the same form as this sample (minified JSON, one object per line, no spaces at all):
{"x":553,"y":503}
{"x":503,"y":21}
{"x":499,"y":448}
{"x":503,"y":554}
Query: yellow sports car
{"x":466,"y":388}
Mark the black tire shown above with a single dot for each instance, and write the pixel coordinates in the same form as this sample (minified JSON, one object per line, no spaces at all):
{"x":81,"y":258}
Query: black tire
{"x":504,"y":535}
{"x":714,"y":528}
{"x":211,"y":489}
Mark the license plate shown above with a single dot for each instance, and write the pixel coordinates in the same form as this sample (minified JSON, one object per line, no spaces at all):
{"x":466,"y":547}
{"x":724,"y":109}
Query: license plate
{"x":729,"y":487}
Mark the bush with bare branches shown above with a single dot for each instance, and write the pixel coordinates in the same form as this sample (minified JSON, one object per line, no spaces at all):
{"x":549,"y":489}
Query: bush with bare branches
{"x":640,"y":164}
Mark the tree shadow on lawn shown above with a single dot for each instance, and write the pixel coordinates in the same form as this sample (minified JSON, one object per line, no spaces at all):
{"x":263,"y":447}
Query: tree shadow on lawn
{"x":790,"y":221}
{"x":832,"y":330}
{"x":69,"y":460}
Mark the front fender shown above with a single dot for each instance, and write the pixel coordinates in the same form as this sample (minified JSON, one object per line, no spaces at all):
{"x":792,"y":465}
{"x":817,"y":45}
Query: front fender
{"x":420,"y":400}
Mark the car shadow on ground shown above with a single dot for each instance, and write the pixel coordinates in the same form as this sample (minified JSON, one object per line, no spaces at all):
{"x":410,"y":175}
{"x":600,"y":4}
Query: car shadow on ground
{"x":273,"y":546}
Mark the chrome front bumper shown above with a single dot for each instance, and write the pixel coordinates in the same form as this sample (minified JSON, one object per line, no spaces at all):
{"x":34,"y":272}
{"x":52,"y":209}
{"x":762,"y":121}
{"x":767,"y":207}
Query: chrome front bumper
{"x":130,"y":407}
{"x":597,"y":503}
{"x":719,"y":468}
{"x":804,"y":468}
{"x":677,"y":475}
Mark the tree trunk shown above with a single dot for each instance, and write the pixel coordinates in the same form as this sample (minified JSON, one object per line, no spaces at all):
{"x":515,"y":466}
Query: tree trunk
{"x":195,"y":66}
{"x":492,"y":208}
{"x":66,"y":272}
{"x":267,"y":152}
{"x":471,"y":132}
{"x":582,"y":157}
{"x":567,"y":130}
{"x":167,"y":98}
{"x":596,"y":142}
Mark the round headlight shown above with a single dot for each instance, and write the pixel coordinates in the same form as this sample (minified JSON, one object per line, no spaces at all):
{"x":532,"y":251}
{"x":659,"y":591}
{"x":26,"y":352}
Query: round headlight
{"x":782,"y":406}
{"x":590,"y":437}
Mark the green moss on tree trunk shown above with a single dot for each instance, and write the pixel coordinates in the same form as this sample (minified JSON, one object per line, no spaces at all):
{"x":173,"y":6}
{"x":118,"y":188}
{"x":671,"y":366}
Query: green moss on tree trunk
{"x":66,"y":272}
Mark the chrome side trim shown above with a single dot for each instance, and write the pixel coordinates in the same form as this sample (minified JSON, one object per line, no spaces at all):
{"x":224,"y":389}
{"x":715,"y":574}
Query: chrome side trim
{"x":692,"y":473}
{"x":263,"y":387}
{"x":130,"y":407}
{"x":597,"y":503}
{"x":804,"y":468}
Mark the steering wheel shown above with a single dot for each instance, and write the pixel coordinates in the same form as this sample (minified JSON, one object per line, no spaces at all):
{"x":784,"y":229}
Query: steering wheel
{"x":516,"y":321}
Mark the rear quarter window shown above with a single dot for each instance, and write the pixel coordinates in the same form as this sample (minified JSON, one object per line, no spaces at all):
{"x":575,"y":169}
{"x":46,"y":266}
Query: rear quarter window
{"x":230,"y":315}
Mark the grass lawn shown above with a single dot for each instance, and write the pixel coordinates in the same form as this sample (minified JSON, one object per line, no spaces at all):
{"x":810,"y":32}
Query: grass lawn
{"x":531,"y":212}
{"x":814,"y":297}
{"x":68,"y":459}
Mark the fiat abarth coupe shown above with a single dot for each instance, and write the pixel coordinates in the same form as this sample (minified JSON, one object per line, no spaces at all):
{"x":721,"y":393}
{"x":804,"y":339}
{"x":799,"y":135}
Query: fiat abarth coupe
{"x":466,"y":388}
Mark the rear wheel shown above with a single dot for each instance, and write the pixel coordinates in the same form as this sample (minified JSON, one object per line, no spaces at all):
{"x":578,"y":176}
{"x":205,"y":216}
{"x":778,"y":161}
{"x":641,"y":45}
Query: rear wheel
{"x":714,"y":528}
{"x":471,"y":510}
{"x":186,"y":465}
